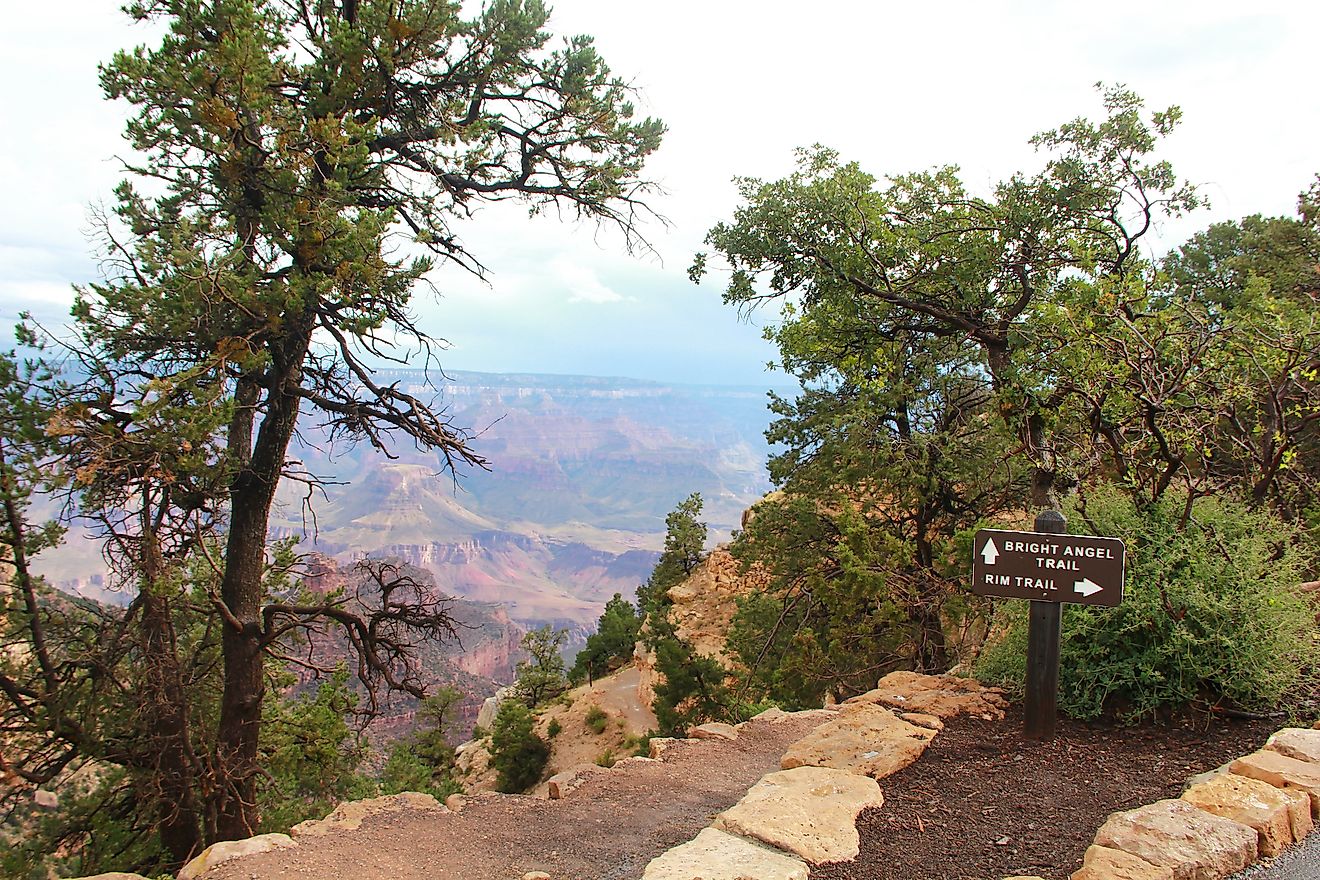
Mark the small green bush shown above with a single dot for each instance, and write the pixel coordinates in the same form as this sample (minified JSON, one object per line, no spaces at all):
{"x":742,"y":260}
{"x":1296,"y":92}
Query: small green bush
{"x":597,"y":719}
{"x":554,"y":728}
{"x":606,"y":758}
{"x":1211,"y":614}
{"x":516,"y":752}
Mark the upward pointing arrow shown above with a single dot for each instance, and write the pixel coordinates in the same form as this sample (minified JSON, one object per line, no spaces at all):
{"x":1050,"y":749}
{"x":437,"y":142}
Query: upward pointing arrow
{"x":990,"y":552}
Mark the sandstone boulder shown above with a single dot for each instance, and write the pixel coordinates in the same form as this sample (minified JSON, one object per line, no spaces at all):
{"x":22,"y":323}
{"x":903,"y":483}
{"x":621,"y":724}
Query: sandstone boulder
{"x":1282,"y":772}
{"x":1103,"y":863}
{"x":923,"y":720}
{"x":808,"y":811}
{"x":1280,"y":816}
{"x":658,"y":745}
{"x":1296,"y":742}
{"x":714,"y":855}
{"x":943,"y":696}
{"x":348,"y":816}
{"x":714,"y":730}
{"x":562,"y":783}
{"x":1195,"y":844}
{"x":864,"y":738}
{"x":775,"y":715}
{"x":226,"y":851}
{"x":112,"y":875}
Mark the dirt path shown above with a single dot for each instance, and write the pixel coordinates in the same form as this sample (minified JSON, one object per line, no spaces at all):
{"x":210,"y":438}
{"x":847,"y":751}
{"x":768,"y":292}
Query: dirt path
{"x":608,"y":829}
{"x":620,"y":696}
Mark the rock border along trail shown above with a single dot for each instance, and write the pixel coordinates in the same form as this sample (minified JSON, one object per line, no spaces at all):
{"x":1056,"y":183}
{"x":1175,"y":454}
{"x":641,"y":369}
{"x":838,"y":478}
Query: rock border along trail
{"x":688,"y":813}
{"x":608,"y":827}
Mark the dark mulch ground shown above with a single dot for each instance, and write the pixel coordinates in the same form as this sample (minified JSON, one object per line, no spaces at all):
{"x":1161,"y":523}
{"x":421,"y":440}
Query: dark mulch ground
{"x":985,"y":803}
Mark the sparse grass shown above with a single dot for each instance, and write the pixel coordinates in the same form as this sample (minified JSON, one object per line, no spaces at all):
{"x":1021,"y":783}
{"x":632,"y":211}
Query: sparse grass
{"x":606,"y":758}
{"x":597,"y":719}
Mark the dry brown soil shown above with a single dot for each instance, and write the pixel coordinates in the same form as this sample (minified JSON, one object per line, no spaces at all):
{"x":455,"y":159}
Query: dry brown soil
{"x":608,"y":829}
{"x":983,"y":802}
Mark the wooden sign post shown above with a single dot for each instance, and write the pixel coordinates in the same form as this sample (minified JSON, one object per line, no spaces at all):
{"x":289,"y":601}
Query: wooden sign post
{"x":1049,"y":567}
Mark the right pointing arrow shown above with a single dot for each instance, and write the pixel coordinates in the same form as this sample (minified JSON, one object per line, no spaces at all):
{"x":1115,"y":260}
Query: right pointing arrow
{"x":1087,"y":587}
{"x":990,"y":552}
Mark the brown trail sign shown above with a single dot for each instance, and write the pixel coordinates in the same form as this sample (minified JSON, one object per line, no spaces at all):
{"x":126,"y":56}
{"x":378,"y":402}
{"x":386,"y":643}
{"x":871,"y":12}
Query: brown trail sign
{"x":1047,"y":567}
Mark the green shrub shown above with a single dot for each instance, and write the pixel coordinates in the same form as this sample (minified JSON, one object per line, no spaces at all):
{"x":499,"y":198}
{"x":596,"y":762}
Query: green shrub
{"x":1211,"y":614}
{"x":606,"y":758}
{"x":516,"y":752}
{"x":597,"y":719}
{"x":554,"y":728}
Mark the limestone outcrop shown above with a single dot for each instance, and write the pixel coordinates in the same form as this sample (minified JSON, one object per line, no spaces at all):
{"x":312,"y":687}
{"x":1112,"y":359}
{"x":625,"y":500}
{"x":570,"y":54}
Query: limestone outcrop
{"x":1194,"y":844}
{"x":943,"y":696}
{"x":348,"y":816}
{"x":715,"y":855}
{"x":864,"y":738}
{"x":218,"y":853}
{"x":808,"y":811}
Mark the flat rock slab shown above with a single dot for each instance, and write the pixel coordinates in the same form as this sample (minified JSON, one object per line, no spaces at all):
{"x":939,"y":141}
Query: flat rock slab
{"x":715,"y":855}
{"x":808,"y":811}
{"x":225,"y":851}
{"x":112,"y":875}
{"x":864,"y":738}
{"x":1104,"y":863}
{"x":1174,"y":834}
{"x":714,"y":730}
{"x":348,"y":816}
{"x":1282,"y":771}
{"x":1280,"y":816}
{"x":775,"y":715}
{"x":943,"y":696}
{"x":1296,"y":742}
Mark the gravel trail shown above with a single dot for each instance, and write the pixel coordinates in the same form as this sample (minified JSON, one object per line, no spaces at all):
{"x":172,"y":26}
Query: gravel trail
{"x":607,"y":829}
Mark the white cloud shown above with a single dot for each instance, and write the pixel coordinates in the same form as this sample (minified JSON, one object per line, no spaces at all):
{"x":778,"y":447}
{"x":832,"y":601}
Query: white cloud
{"x":582,"y":283}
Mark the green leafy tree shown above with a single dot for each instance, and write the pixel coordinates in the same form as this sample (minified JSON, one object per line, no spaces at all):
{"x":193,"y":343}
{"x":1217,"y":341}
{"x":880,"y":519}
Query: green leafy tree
{"x":685,"y":548}
{"x":921,"y":322}
{"x":424,"y":761}
{"x":541,"y":676}
{"x":516,"y":752}
{"x":611,"y":645}
{"x":292,"y":151}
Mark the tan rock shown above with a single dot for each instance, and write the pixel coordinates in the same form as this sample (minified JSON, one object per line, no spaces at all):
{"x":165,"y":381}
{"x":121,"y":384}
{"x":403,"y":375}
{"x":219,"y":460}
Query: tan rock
{"x":633,"y":761}
{"x":1277,"y":814}
{"x":561,"y":784}
{"x":226,"y":851}
{"x":943,"y":696}
{"x":456,"y":802}
{"x":1172,"y":833}
{"x":921,"y":719}
{"x":775,"y":715}
{"x":536,"y":875}
{"x":808,"y":811}
{"x":714,"y":730}
{"x":1281,"y":771}
{"x":658,"y":745}
{"x":714,"y":855}
{"x":865,"y":739}
{"x":348,"y":816}
{"x":1296,"y":742}
{"x":1104,"y":863}
{"x":112,"y":875}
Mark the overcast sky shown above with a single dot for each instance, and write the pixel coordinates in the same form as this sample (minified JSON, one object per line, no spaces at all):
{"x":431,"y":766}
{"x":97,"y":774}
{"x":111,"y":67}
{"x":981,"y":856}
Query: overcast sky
{"x":896,"y":86}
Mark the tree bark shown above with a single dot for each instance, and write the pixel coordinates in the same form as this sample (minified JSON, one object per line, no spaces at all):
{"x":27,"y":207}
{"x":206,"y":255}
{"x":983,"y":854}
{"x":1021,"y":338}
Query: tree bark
{"x":250,"y":497}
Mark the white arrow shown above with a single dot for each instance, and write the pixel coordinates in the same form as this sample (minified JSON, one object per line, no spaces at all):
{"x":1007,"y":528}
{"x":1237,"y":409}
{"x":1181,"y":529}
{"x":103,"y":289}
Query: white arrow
{"x":1087,"y":587}
{"x":990,"y":552}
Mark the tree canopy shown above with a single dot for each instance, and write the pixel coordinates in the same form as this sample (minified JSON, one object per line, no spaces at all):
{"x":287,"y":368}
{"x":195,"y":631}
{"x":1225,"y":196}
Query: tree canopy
{"x":299,"y":168}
